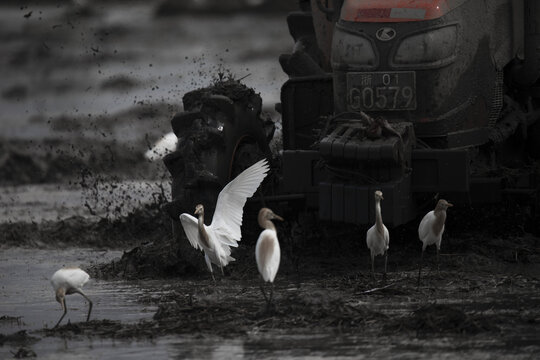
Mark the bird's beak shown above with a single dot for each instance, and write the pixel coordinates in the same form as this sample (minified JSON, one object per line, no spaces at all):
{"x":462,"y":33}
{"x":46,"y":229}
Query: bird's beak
{"x":278,"y":217}
{"x":450,"y":205}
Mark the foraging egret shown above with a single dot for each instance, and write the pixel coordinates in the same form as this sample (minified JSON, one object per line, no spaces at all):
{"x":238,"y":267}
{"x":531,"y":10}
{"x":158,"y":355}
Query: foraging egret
{"x":431,"y":229}
{"x":224,"y":232}
{"x":377,"y":237}
{"x":67,"y":281}
{"x":267,"y":251}
{"x":162,"y":147}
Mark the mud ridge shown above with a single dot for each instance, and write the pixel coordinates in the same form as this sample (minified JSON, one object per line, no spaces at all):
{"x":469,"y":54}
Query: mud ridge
{"x":144,"y":225}
{"x":441,"y":318}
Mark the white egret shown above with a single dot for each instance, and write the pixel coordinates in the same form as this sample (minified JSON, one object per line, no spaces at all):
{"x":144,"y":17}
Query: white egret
{"x":166,"y":144}
{"x":224,"y":232}
{"x":67,"y":281}
{"x":377,"y":237}
{"x":267,"y":251}
{"x":431,"y":230}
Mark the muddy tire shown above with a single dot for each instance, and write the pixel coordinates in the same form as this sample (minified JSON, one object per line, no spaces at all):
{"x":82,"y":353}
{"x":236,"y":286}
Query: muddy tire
{"x":220,"y":134}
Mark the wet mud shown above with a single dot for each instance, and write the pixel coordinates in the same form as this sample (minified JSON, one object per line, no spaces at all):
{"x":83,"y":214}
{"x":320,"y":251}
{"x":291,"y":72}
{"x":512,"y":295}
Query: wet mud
{"x":18,"y":338}
{"x":485,"y":297}
{"x":456,"y":306}
{"x":143,"y":226}
{"x":174,"y":8}
{"x":484,"y":302}
{"x":24,"y":162}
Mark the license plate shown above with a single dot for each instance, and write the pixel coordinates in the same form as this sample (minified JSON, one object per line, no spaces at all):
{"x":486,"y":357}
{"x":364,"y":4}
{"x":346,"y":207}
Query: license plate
{"x":386,"y":91}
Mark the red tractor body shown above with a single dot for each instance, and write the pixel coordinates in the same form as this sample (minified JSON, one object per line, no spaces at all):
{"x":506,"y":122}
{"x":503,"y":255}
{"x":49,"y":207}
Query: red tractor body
{"x":441,"y":73}
{"x":411,"y":97}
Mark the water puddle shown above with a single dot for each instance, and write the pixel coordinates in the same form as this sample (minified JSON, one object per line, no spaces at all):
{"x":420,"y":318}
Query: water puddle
{"x":27,"y":297}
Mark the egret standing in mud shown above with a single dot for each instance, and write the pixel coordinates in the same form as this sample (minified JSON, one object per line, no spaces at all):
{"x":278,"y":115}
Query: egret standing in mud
{"x":224,"y":232}
{"x":69,"y":281}
{"x":377,"y":237}
{"x":431,"y":230}
{"x":267,"y":251}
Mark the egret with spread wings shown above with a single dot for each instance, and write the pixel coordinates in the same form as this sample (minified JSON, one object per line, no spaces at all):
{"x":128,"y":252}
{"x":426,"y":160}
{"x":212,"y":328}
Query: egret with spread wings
{"x":224,"y":232}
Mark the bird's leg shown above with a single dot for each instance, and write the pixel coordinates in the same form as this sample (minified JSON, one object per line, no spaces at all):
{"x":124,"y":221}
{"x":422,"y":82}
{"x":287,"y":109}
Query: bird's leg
{"x":63,"y":303}
{"x":222,"y":273}
{"x":209,"y":264}
{"x":264,"y":293}
{"x":271,"y":293}
{"x":385,"y":264}
{"x":373,"y":266}
{"x":420,"y":267}
{"x":90,"y":304}
{"x":270,"y":298}
{"x":438,"y":266}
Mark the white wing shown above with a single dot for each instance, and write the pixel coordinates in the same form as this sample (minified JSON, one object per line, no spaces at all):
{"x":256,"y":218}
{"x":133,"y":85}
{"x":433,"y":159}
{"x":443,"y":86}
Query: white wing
{"x":386,"y":238}
{"x":162,"y":147}
{"x":221,"y":253}
{"x":268,"y":254}
{"x":190,"y":225}
{"x":218,"y":254}
{"x":423,"y":228}
{"x":231,"y":200}
{"x":69,"y":278}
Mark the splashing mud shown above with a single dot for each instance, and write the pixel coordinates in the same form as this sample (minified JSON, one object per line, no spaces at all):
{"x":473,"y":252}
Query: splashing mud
{"x":87,"y":92}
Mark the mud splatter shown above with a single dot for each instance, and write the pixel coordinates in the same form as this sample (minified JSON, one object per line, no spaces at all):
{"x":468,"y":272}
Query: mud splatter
{"x":20,"y":338}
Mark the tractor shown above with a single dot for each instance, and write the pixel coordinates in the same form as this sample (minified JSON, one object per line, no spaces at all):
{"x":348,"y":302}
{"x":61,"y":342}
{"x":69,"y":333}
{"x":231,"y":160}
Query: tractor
{"x":411,"y":97}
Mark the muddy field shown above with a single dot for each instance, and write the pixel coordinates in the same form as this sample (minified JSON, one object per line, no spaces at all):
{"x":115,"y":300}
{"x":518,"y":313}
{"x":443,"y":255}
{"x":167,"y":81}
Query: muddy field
{"x":86,"y":91}
{"x":484,"y":303}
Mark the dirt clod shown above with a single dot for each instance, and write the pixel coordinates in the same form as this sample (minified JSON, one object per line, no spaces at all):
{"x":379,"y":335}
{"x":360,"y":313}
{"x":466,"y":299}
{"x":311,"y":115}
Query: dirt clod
{"x":20,"y":338}
{"x":440,"y":318}
{"x":23,"y":353}
{"x":143,"y":225}
{"x":223,"y":85}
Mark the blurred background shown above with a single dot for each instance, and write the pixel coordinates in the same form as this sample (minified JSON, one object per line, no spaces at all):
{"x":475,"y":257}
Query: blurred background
{"x":88,"y":86}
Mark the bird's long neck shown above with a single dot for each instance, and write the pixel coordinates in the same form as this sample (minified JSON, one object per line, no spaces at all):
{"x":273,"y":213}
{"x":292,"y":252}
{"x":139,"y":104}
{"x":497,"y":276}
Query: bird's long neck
{"x":202,"y":231}
{"x":440,"y":218}
{"x":265,"y":223}
{"x":378,"y":217}
{"x":268,"y":225}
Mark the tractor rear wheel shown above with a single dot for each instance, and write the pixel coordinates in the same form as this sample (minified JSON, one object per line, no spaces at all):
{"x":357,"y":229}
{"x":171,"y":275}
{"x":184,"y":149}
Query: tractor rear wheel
{"x":220,"y":133}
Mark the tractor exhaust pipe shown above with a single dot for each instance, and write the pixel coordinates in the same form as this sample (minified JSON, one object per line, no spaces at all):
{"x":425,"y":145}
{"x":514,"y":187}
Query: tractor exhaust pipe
{"x":527,"y":72}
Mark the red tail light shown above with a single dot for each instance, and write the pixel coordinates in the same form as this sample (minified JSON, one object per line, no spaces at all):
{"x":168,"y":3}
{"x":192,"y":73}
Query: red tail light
{"x":396,"y":10}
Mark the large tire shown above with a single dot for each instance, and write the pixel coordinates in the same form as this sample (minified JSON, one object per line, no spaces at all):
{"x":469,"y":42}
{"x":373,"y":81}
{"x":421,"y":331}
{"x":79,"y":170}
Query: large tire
{"x":221,"y":125}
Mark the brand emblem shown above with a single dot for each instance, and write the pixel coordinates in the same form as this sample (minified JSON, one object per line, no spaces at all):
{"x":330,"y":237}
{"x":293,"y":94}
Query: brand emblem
{"x":385,"y":34}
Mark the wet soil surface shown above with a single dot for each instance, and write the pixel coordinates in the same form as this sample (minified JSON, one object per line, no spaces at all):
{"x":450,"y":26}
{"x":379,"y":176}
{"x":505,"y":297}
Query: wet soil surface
{"x":484,"y":303}
{"x":122,"y":63}
{"x":151,"y":297}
